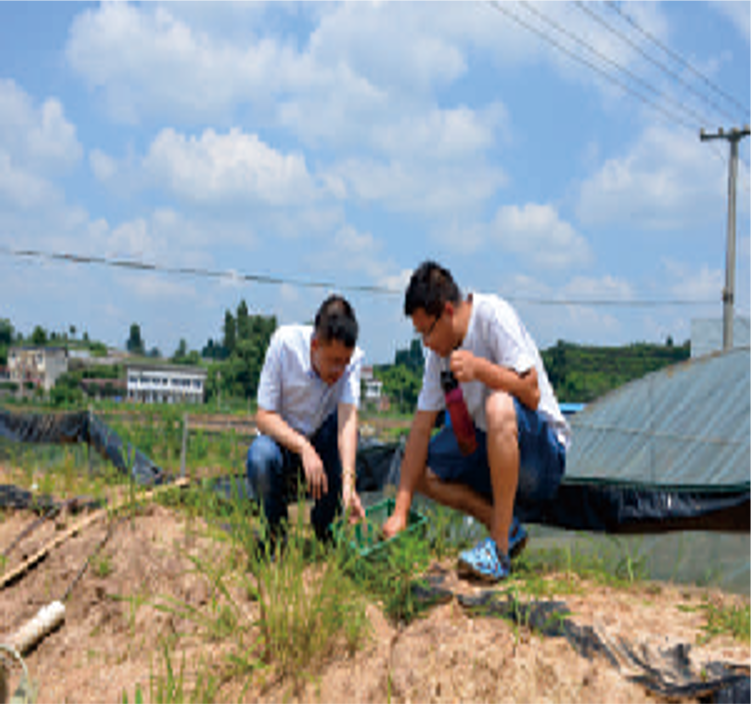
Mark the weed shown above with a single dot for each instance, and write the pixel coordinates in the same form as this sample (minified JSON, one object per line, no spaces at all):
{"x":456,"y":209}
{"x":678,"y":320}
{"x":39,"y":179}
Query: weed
{"x":725,"y":620}
{"x":102,"y":566}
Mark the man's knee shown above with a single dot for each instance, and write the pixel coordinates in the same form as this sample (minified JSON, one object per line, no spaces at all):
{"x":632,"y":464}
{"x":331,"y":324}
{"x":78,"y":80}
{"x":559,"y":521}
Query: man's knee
{"x":500,"y":414}
{"x":427,"y":482}
{"x":264,"y":460}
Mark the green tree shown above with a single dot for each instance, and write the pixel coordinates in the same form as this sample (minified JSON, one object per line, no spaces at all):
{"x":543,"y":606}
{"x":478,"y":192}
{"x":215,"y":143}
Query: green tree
{"x":39,"y":336}
{"x":181,"y":352}
{"x":243,"y":321}
{"x":6,"y":339}
{"x":230,"y":333}
{"x":135,"y":344}
{"x":413,"y":357}
{"x":6,"y":332}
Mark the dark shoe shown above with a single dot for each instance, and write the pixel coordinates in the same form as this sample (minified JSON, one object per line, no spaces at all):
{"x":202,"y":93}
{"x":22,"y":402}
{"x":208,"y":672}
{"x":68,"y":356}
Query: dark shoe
{"x":517,"y":538}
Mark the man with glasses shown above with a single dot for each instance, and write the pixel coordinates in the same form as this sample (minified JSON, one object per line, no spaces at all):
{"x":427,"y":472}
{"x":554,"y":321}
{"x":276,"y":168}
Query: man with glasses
{"x":521,"y":433}
{"x":308,"y":397}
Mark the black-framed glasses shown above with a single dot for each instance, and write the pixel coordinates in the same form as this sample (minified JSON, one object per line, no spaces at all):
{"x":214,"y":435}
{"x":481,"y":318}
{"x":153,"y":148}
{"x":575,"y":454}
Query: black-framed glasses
{"x":425,"y":335}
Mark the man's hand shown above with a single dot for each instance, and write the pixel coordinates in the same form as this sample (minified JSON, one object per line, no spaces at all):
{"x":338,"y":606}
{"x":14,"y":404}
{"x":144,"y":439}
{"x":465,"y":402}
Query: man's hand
{"x":315,"y":475}
{"x":464,"y":365}
{"x":396,"y":523}
{"x":353,"y":506}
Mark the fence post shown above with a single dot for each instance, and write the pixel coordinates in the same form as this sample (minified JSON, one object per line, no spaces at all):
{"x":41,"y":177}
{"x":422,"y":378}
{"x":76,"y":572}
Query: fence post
{"x":184,"y":449}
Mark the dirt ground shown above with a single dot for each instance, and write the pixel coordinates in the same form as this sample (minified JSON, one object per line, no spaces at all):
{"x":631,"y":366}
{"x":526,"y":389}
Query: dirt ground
{"x":111,"y":638}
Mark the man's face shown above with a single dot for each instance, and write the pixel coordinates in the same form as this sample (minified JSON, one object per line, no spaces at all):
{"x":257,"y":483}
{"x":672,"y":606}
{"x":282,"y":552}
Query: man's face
{"x":330,"y":359}
{"x":435,"y":331}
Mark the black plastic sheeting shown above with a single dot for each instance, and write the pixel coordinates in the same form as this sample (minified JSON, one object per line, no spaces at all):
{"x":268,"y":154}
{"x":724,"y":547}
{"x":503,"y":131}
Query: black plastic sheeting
{"x":598,"y":506}
{"x":71,"y":428}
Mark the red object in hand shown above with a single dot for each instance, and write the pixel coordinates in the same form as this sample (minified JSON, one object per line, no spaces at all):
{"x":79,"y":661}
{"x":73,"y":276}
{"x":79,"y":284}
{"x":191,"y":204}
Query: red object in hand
{"x":461,"y":421}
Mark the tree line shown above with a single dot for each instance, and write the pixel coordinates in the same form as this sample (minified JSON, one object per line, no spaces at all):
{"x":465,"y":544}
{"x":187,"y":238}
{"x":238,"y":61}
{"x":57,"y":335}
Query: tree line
{"x":578,"y":373}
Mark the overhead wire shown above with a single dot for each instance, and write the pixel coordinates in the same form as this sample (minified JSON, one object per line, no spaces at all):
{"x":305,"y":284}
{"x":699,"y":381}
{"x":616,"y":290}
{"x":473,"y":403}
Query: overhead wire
{"x":638,"y":79}
{"x":586,"y":8}
{"x":614,"y":7}
{"x":135,"y":264}
{"x":138,"y":265}
{"x":605,"y":74}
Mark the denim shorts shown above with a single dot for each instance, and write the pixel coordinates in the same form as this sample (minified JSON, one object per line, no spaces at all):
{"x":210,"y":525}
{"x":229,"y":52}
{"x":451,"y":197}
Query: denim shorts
{"x":542,"y":459}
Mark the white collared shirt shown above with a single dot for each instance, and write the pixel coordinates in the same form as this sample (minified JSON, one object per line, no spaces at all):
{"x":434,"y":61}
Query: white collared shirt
{"x":291,"y":387}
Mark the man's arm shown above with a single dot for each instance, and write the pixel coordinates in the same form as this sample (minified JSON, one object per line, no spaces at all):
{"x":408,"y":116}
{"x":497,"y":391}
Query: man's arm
{"x":347,"y":436}
{"x":412,"y":470}
{"x":524,"y":386}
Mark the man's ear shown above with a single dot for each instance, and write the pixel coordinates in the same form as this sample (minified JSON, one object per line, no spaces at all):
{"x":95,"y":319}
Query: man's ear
{"x":314,"y":344}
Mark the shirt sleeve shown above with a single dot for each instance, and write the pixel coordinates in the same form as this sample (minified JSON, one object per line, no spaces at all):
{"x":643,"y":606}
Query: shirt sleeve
{"x":270,"y":383}
{"x":351,"y":386}
{"x":506,"y":338}
{"x":431,"y":396}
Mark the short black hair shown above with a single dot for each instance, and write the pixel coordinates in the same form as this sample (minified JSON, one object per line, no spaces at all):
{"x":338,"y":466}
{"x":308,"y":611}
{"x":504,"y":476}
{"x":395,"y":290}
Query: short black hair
{"x":335,"y":320}
{"x":430,"y":288}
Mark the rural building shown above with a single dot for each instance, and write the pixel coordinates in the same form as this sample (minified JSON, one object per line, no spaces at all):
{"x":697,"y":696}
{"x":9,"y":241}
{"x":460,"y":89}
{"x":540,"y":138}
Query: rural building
{"x":372,"y":388}
{"x":163,"y":383}
{"x":40,"y":366}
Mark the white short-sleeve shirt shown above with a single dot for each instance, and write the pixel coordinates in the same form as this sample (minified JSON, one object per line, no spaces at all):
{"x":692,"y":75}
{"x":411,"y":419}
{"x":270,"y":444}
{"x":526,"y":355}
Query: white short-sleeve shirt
{"x":291,"y":387}
{"x":496,"y":333}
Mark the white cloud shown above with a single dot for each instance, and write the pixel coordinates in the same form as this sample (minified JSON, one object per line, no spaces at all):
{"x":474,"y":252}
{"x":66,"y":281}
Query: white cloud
{"x":739,"y":13}
{"x":537,"y":233}
{"x":686,"y":282}
{"x":217,"y":168}
{"x":352,"y":251}
{"x":607,"y":287}
{"x":668,"y":180}
{"x":40,"y":138}
{"x":148,"y":61}
{"x":20,"y":189}
{"x":360,"y":62}
{"x":441,"y":135}
{"x":102,"y":165}
{"x":416,"y":187}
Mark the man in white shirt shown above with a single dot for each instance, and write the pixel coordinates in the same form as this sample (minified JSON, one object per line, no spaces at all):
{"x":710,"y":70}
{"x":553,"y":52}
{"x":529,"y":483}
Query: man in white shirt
{"x":520,"y":434}
{"x":308,"y":397}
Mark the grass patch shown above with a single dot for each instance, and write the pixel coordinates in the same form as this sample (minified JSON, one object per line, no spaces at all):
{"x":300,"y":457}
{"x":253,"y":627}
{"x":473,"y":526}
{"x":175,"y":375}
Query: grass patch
{"x":725,"y":620}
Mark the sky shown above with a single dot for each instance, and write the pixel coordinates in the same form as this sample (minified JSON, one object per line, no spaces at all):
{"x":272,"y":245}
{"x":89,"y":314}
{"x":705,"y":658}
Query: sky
{"x":547,"y":152}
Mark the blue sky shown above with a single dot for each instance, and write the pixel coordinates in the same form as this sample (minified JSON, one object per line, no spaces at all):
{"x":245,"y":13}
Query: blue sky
{"x":346,"y":143}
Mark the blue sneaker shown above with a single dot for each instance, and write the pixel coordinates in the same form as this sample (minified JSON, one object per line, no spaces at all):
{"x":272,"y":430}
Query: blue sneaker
{"x":485,"y":562}
{"x":517,"y":538}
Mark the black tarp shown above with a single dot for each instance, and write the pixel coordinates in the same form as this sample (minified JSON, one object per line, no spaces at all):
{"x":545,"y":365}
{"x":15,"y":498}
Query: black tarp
{"x":599,"y":505}
{"x":591,"y":505}
{"x":70,"y":428}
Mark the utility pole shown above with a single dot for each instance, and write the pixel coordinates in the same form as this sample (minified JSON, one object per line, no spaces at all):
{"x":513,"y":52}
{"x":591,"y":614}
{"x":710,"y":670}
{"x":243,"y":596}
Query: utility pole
{"x":734,"y":136}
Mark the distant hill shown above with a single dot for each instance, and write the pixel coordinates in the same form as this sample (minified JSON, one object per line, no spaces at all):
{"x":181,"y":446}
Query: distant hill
{"x":582,"y":373}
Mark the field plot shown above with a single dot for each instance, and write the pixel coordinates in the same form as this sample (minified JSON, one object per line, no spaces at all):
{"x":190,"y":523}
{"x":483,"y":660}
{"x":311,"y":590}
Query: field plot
{"x":167,"y":599}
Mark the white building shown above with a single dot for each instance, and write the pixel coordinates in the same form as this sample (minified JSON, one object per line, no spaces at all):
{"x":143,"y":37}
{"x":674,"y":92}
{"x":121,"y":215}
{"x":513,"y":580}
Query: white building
{"x":163,"y":383}
{"x":372,"y":388}
{"x":40,"y":366}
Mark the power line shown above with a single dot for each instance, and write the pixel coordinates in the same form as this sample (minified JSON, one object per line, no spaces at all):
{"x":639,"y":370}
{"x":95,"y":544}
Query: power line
{"x":608,"y":76}
{"x":137,"y":265}
{"x":625,"y":303}
{"x":613,"y":6}
{"x":596,"y":17}
{"x":530,"y":8}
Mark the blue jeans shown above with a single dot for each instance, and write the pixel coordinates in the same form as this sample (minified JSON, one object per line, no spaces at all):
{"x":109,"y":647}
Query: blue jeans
{"x":542,"y":459}
{"x":274,"y":473}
